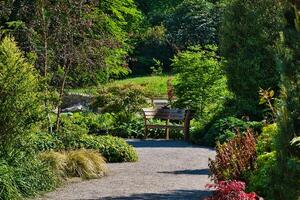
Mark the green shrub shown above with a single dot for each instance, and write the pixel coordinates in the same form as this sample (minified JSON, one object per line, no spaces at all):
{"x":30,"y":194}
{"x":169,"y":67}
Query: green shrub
{"x":247,"y":43}
{"x":259,"y":181}
{"x":95,"y":123}
{"x":21,"y":173}
{"x":25,"y":178}
{"x":33,"y":177}
{"x":286,"y":179}
{"x":197,"y":132}
{"x":266,"y":140}
{"x":43,"y":141}
{"x":123,"y":102}
{"x":114,"y":149}
{"x":267,"y":181}
{"x":200,"y":83}
{"x":224,"y":129}
{"x":71,"y":134}
{"x":104,"y":124}
{"x":8,"y":187}
{"x":133,"y":128}
{"x":19,"y":102}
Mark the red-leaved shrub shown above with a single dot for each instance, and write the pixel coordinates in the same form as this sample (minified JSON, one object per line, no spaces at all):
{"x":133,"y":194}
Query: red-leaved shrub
{"x":234,"y":158}
{"x":230,"y":190}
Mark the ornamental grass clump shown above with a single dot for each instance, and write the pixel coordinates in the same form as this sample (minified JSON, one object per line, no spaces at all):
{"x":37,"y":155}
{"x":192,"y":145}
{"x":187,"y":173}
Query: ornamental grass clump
{"x":234,"y":158}
{"x":57,"y":161}
{"x":84,"y":163}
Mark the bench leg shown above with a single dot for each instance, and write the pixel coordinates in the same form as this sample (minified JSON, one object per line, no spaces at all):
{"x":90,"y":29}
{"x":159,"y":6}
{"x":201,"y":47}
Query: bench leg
{"x":167,"y":133}
{"x":187,"y":127}
{"x":167,"y":130}
{"x":146,"y":132}
{"x":186,"y":134}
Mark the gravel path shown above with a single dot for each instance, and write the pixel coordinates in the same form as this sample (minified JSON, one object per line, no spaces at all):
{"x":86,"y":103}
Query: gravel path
{"x":166,"y":170}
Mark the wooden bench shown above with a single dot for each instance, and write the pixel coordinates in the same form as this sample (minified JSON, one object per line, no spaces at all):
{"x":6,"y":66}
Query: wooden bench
{"x":168,"y":115}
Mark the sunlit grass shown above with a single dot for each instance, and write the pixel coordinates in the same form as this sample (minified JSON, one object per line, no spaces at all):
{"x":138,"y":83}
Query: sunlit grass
{"x":154,"y":85}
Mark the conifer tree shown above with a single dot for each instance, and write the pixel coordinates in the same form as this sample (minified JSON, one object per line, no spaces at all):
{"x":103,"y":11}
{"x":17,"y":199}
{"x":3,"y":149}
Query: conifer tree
{"x":20,"y":103}
{"x":286,"y":177}
{"x":248,"y":35}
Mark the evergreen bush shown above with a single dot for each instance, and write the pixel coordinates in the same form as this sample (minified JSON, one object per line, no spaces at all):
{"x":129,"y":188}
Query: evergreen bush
{"x":286,"y":177}
{"x":225,"y":129}
{"x":114,"y":149}
{"x":20,"y":104}
{"x":249,"y":33}
{"x":21,"y":173}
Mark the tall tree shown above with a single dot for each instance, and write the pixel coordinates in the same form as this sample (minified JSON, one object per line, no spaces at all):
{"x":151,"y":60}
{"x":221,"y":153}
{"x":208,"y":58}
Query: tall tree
{"x":76,"y":42}
{"x":193,"y":22}
{"x":110,"y":25}
{"x":157,"y":11}
{"x":248,"y":38}
{"x":70,"y":41}
{"x":286,"y":177}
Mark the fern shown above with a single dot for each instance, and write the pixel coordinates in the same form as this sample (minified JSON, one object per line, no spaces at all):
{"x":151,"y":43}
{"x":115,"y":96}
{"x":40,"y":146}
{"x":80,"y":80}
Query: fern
{"x":296,"y":141}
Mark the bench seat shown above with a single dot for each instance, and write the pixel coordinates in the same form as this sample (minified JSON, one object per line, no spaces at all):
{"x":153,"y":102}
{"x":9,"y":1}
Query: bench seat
{"x":180,"y":115}
{"x":165,"y":126}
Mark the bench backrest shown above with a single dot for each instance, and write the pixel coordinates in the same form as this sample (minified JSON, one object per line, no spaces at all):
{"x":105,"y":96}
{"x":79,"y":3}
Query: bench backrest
{"x":171,"y":114}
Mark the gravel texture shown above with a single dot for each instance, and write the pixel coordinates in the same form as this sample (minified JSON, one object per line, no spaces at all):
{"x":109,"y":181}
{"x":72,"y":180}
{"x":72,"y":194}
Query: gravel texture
{"x":166,"y":170}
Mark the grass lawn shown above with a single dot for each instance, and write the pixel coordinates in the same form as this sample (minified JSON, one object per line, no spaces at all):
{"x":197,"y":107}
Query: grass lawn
{"x":156,"y":85}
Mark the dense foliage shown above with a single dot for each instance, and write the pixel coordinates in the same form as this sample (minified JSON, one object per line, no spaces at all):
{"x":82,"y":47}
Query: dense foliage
{"x":20,"y":99}
{"x":225,"y":129}
{"x":82,"y":36}
{"x":26,"y":178}
{"x":193,"y":22}
{"x":259,"y":179}
{"x":172,"y":26}
{"x":267,"y":139}
{"x":112,"y":148}
{"x":200,"y":83}
{"x":80,"y":43}
{"x":21,"y":173}
{"x":286,"y":176}
{"x":249,"y":34}
{"x":122,"y":101}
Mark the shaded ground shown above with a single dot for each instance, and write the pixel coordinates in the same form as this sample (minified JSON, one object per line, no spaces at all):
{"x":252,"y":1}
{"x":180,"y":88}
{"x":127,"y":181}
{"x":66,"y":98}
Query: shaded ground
{"x":166,"y":170}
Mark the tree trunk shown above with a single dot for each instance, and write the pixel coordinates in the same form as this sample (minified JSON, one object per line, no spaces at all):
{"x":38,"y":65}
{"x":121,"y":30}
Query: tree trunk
{"x":45,"y":40}
{"x":61,"y":93}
